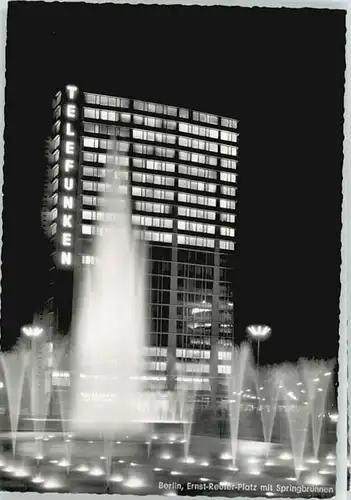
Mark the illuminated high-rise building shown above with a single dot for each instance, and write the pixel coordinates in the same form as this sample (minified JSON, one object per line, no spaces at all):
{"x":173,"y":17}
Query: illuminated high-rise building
{"x":181,"y":167}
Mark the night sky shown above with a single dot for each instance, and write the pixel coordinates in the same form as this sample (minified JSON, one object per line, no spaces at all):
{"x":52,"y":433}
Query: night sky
{"x":279,"y":71}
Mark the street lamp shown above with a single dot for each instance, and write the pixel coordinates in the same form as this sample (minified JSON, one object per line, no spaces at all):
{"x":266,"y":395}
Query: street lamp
{"x":32,"y":332}
{"x":258,"y":333}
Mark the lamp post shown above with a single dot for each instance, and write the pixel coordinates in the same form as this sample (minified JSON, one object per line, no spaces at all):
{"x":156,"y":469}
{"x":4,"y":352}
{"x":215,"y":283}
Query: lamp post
{"x":258,"y":333}
{"x":32,"y":332}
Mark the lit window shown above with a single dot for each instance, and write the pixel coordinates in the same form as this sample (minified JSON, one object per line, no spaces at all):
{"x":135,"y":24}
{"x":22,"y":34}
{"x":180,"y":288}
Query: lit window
{"x":195,"y":241}
{"x":212,"y":160}
{"x":212,"y":146}
{"x":102,"y":158}
{"x":228,"y":177}
{"x":153,"y":122}
{"x":138,"y":119}
{"x":227,"y":231}
{"x":56,"y":142}
{"x":125,"y":117}
{"x":168,"y":153}
{"x":89,"y":200}
{"x":228,"y":163}
{"x":54,"y":171}
{"x":139,"y":105}
{"x":212,"y":133}
{"x":227,"y":204}
{"x":54,"y":185}
{"x":228,"y":150}
{"x":226,"y":217}
{"x":226,"y":245}
{"x":53,"y":229}
{"x":183,"y":113}
{"x":170,"y":124}
{"x":137,"y":134}
{"x":88,"y":259}
{"x":229,"y":136}
{"x":170,"y":110}
{"x":183,"y":127}
{"x":89,"y":142}
{"x":86,"y":229}
{"x":229,"y":122}
{"x":228,"y":190}
{"x":57,"y":113}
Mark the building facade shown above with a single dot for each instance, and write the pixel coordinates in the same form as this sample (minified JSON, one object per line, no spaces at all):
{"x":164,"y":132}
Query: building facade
{"x":181,"y":167}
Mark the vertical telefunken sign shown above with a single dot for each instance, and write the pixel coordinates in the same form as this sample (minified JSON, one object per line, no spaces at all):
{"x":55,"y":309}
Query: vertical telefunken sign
{"x":68,"y":183}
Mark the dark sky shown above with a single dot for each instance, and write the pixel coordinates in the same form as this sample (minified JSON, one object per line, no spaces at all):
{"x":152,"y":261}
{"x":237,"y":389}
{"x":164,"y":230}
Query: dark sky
{"x":279,"y":71}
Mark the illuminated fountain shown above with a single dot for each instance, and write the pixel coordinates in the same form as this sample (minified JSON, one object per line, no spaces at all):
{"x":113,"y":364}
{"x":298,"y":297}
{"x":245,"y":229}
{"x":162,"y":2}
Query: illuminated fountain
{"x":14,"y":365}
{"x":269,"y":393}
{"x":240,"y":366}
{"x":316,"y":376}
{"x":108,"y":403}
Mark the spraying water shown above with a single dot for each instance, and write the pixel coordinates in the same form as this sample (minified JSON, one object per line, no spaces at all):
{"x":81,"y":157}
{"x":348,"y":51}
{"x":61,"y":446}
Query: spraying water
{"x":14,"y":365}
{"x":235,"y":384}
{"x":109,"y":334}
{"x":297,"y":414}
{"x":317,"y":385}
{"x":269,"y":395}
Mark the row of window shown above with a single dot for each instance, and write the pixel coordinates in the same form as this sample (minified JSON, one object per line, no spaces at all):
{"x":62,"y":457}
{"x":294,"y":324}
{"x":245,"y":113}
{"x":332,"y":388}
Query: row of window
{"x":144,"y":149}
{"x":99,"y":128}
{"x":106,"y":144}
{"x":154,"y":136}
{"x":213,"y":133}
{"x":158,"y":180}
{"x":162,"y":352}
{"x":152,"y":165}
{"x":109,"y":116}
{"x":151,"y":107}
{"x":102,"y":187}
{"x":197,"y":186}
{"x":197,"y":172}
{"x":95,"y":215}
{"x":102,"y":172}
{"x":160,"y":194}
{"x":159,"y":208}
{"x":196,"y":213}
{"x":154,"y":236}
{"x":196,"y":199}
{"x":122,"y":161}
{"x":195,"y":241}
{"x":141,"y":220}
{"x":150,"y":121}
{"x":104,"y":100}
{"x":196,"y":227}
{"x":163,"y":166}
{"x":170,"y":167}
{"x":165,"y":195}
{"x":198,"y":144}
